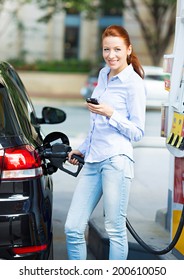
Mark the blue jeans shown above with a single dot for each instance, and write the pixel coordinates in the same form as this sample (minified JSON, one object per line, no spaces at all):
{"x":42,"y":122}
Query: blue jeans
{"x":112,"y":178}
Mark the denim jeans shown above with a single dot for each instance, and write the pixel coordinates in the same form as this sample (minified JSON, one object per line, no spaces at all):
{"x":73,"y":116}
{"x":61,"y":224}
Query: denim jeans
{"x":112,"y":178}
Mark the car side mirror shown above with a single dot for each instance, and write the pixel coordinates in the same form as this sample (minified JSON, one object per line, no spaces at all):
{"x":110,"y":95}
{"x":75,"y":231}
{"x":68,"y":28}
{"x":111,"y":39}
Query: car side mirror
{"x":52,"y":116}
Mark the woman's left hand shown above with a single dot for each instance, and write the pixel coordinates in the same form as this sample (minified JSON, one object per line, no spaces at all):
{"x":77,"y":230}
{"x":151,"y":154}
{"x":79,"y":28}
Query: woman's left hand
{"x":101,"y":109}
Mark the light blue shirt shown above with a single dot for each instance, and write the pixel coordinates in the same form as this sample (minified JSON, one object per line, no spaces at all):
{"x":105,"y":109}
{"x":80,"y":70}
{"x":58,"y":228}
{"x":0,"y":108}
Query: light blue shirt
{"x":112,"y":136}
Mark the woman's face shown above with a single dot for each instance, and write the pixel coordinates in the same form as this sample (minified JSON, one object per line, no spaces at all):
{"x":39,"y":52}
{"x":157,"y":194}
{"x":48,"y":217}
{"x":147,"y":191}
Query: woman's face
{"x":115,"y":53}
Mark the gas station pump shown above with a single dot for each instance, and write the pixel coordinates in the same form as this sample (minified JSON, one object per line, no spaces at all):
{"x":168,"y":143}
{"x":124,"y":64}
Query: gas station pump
{"x":173,"y":129}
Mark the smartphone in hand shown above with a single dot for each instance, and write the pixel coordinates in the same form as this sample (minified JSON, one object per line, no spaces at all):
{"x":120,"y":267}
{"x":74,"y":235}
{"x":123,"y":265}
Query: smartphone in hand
{"x":92,"y":100}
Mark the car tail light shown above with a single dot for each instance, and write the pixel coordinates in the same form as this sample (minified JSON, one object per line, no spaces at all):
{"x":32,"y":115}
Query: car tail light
{"x":20,"y":163}
{"x":94,"y":84}
{"x":29,"y":249}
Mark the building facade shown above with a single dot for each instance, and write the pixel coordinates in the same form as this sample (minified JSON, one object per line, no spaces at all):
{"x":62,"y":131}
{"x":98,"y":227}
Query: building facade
{"x":66,"y":35}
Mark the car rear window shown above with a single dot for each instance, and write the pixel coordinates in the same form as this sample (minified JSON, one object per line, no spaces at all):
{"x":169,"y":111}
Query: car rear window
{"x":7,"y":119}
{"x":24,"y":103}
{"x":2,"y":123}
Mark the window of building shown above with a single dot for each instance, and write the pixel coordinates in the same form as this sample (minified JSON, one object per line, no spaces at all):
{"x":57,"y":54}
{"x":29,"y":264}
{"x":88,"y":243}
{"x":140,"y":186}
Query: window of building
{"x":71,"y":42}
{"x":72,"y":26}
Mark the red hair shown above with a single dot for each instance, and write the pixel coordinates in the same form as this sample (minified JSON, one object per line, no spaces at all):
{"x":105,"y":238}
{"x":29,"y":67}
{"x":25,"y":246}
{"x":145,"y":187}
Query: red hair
{"x":119,"y":31}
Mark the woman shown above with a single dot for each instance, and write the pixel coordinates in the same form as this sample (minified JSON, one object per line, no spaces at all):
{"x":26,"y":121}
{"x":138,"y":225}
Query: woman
{"x":116,"y":122}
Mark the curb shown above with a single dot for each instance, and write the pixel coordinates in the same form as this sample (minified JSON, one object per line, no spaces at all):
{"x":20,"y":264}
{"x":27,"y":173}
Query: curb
{"x":98,"y":243}
{"x":55,"y":96}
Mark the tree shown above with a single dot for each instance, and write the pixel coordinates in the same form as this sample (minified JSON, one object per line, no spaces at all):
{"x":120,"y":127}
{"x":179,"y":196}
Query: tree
{"x":11,"y":8}
{"x":156,"y":33}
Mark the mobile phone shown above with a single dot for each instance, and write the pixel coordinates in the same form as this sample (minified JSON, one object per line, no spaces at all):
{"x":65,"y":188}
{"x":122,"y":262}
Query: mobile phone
{"x":92,"y":100}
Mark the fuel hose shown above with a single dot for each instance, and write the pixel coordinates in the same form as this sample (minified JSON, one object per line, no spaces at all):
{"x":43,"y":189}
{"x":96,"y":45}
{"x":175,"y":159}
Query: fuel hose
{"x":149,"y":248}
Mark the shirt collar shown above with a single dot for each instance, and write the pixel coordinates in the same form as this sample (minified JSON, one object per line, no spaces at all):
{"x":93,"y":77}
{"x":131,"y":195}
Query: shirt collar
{"x":123,"y":75}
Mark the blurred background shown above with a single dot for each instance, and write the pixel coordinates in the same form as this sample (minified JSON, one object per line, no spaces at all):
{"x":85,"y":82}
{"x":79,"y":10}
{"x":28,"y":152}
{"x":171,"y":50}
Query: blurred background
{"x":64,"y":36}
{"x":57,"y":30}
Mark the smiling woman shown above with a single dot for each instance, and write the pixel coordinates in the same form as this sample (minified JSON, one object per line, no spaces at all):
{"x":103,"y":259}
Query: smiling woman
{"x":116,"y":121}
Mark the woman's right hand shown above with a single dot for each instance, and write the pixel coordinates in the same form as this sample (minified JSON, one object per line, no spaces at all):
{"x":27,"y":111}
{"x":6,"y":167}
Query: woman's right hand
{"x":73,"y":160}
{"x":101,"y":109}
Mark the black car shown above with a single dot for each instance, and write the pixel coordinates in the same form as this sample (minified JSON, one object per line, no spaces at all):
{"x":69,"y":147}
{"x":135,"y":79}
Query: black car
{"x":26,"y":186}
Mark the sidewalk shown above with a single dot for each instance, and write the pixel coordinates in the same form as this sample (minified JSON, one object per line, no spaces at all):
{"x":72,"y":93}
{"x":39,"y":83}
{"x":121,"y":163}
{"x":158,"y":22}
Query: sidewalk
{"x":53,"y":85}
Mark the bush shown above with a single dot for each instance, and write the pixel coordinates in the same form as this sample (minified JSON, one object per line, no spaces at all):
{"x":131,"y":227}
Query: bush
{"x":66,"y":66}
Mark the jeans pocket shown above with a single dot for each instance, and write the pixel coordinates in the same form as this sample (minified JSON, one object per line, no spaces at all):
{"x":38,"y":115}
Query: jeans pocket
{"x":124,"y":164}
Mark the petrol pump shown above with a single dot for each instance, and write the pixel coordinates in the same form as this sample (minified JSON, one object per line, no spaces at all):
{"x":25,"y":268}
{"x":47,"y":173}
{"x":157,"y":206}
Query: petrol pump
{"x":173,"y":129}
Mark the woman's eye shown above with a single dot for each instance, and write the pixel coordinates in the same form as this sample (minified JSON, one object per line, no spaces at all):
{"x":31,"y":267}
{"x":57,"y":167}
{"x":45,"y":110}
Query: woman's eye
{"x":118,"y":50}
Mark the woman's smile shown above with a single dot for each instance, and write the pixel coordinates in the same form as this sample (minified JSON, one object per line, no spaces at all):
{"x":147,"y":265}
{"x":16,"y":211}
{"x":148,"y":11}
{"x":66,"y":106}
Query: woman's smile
{"x":115,"y":53}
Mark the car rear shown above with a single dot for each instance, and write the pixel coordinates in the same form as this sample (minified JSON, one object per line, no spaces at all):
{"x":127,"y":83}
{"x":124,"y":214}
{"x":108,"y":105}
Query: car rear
{"x":25,"y":187}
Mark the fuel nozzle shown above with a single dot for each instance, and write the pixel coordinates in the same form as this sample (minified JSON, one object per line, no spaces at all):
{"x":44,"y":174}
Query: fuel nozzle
{"x":57,"y":152}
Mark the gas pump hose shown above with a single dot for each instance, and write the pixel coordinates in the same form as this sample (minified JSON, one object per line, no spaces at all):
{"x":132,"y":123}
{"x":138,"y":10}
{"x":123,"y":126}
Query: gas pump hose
{"x":149,"y":248}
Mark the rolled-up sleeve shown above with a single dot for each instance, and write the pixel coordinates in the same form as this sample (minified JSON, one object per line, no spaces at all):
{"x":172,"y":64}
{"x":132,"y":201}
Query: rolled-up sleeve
{"x":128,"y":128}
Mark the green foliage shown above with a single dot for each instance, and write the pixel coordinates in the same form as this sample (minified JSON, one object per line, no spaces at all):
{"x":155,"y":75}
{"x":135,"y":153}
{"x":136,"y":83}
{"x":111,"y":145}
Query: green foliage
{"x":66,"y":66}
{"x":92,"y":8}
